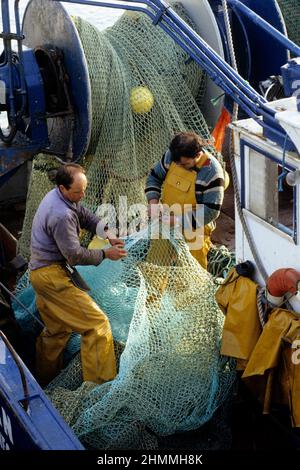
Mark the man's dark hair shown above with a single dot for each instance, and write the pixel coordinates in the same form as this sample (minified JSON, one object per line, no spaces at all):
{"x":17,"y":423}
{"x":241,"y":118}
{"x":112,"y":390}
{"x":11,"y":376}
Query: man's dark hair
{"x":65,"y":174}
{"x":186,"y":144}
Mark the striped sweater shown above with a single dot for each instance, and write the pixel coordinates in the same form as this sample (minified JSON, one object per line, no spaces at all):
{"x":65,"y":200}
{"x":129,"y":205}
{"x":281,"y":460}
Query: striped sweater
{"x":209,"y":187}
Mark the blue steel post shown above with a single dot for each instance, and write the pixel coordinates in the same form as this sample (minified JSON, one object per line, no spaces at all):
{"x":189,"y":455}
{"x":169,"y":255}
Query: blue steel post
{"x":20,"y":38}
{"x":8,"y":54}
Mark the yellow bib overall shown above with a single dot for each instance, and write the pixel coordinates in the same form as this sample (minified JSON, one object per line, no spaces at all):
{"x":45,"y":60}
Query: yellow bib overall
{"x":179,"y":190}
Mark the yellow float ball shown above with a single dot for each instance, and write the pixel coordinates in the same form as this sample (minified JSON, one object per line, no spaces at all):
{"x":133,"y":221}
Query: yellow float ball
{"x":141,"y":100}
{"x":226,"y":180}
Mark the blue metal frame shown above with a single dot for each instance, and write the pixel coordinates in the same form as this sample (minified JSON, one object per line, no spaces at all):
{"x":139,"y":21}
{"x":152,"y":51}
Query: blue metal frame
{"x":38,"y":131}
{"x":41,"y":427}
{"x":243,"y":144}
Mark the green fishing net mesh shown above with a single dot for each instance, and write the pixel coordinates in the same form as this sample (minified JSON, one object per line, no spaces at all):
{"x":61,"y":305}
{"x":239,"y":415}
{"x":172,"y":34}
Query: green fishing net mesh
{"x":128,"y":138}
{"x":160,"y":302}
{"x":167,"y":325}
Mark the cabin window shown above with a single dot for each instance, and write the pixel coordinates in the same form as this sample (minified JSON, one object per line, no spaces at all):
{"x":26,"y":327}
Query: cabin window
{"x":262,"y":196}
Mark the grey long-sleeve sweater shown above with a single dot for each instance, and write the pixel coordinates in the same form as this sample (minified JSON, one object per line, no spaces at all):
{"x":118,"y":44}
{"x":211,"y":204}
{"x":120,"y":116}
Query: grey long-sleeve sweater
{"x":55,"y":233}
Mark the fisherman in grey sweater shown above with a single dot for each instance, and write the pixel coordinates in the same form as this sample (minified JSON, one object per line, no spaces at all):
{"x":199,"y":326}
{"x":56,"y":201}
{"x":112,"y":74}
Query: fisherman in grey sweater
{"x":64,"y":307}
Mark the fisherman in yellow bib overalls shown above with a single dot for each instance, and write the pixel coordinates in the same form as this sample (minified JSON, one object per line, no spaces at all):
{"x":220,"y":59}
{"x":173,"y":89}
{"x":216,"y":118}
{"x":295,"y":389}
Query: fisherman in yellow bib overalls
{"x":190,"y":182}
{"x":61,"y":300}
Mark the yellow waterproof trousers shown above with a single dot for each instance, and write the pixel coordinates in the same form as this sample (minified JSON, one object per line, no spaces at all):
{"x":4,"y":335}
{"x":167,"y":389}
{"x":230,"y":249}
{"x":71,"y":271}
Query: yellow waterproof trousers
{"x":237,"y":298}
{"x":64,"y":308}
{"x":178,"y":191}
{"x":276,"y":348}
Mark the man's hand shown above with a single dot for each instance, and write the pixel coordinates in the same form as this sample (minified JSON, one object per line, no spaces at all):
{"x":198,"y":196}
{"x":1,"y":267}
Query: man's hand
{"x":154,"y":209}
{"x":111,"y":237}
{"x":115,"y":252}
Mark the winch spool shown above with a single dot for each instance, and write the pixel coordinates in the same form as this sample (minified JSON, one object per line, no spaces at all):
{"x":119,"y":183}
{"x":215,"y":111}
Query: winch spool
{"x":47,"y":26}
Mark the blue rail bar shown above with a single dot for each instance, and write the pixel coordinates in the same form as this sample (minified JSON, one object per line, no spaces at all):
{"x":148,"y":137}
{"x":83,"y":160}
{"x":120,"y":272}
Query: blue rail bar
{"x":5,"y":16}
{"x":7,"y":43}
{"x":22,"y":91}
{"x":8,"y":58}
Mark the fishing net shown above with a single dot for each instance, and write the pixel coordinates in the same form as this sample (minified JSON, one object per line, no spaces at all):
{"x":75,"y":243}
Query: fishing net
{"x":171,"y":378}
{"x":167,"y":325}
{"x":39,"y":185}
{"x":144,"y":89}
{"x":219,"y":261}
{"x":160,"y":302}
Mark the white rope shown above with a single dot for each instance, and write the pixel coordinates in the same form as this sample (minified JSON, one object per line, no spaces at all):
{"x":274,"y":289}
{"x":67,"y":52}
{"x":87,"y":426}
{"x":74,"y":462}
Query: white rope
{"x":231,"y":155}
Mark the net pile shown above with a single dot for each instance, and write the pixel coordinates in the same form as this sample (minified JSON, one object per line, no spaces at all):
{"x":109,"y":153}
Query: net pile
{"x":159,"y":300}
{"x":171,"y":379}
{"x":129,"y":134}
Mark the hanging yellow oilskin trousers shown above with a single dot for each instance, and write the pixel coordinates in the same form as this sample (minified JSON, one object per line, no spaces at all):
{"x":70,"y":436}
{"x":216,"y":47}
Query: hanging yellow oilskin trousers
{"x":268,"y":356}
{"x":237,"y":299}
{"x":179,"y":190}
{"x":64,"y":308}
{"x":277,"y":348}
